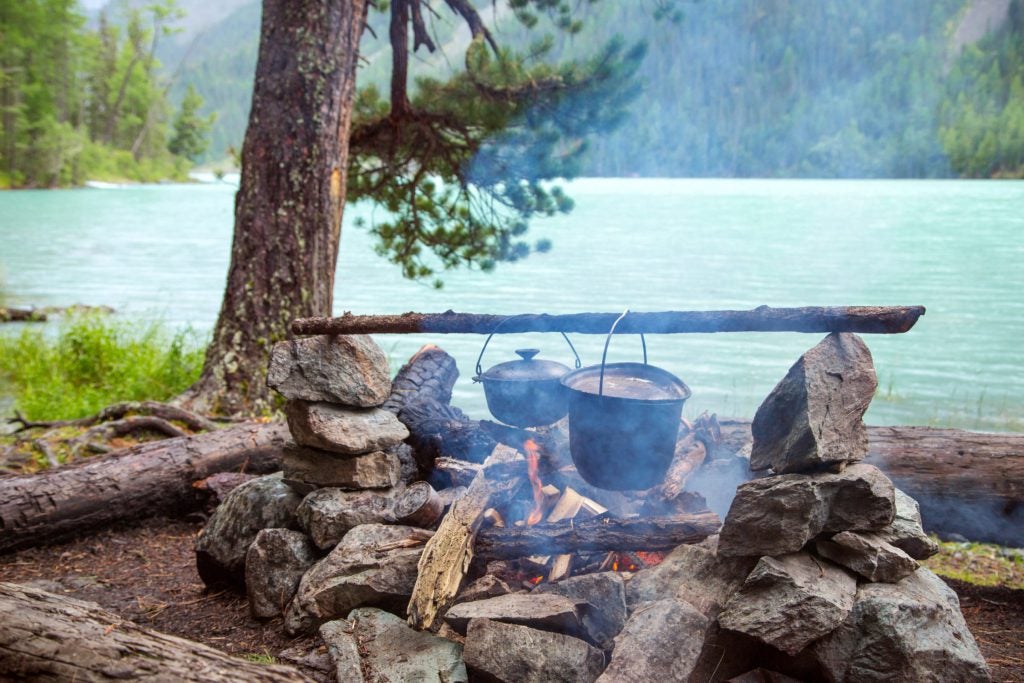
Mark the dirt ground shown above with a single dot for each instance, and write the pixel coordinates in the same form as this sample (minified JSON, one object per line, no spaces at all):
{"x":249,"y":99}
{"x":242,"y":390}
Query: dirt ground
{"x":147,"y":573}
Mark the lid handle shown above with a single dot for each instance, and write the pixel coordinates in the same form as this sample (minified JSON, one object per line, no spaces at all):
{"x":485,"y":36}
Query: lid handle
{"x":527,"y":354}
{"x":479,"y":359}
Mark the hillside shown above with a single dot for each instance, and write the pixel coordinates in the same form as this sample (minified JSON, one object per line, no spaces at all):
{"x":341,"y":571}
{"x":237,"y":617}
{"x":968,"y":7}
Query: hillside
{"x":821,"y":88}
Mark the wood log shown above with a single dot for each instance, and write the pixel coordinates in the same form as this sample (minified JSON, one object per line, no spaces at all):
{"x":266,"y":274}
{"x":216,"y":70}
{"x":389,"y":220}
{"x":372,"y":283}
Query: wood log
{"x":430,"y":373}
{"x":446,"y":559}
{"x":596,"y":535}
{"x":861,"y":319}
{"x":967,"y":483}
{"x":143,"y":481}
{"x":45,"y":637}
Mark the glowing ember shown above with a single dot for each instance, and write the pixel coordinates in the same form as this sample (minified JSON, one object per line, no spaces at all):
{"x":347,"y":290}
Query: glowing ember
{"x":650,"y":559}
{"x":536,"y":580}
{"x":532,"y":465}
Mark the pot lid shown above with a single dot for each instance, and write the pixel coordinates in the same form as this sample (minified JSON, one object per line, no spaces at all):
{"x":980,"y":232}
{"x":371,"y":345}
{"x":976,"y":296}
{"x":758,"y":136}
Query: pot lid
{"x":628,"y":380}
{"x":527,"y":369}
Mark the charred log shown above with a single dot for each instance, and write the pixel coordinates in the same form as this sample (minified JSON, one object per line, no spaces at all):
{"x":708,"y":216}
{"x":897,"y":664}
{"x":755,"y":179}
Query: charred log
{"x":48,"y":637}
{"x":142,"y":481}
{"x":596,"y":535}
{"x":861,"y":319}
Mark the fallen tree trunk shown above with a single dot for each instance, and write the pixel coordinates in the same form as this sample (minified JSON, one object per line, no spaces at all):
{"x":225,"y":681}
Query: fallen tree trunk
{"x":862,"y":319}
{"x":967,"y":483}
{"x":143,"y":481}
{"x":45,"y":637}
{"x":595,"y":535}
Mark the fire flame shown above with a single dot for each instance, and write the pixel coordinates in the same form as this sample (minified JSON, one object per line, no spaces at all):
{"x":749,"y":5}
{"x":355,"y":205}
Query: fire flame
{"x":532,"y":465}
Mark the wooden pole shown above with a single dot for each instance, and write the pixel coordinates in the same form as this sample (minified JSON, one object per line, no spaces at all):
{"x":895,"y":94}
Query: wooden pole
{"x":862,"y":319}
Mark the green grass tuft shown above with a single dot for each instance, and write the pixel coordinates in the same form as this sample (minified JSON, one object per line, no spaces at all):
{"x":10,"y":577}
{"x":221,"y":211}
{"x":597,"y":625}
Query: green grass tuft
{"x":93,"y":361}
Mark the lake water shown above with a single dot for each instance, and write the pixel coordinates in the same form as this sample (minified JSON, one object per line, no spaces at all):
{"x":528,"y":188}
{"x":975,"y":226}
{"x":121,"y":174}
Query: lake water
{"x":956,"y":247}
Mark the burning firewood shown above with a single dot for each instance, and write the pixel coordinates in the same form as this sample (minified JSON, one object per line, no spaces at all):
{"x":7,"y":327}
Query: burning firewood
{"x":596,"y":535}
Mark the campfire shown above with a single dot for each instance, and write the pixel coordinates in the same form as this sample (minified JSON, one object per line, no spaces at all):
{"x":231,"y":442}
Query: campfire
{"x":499,"y":549}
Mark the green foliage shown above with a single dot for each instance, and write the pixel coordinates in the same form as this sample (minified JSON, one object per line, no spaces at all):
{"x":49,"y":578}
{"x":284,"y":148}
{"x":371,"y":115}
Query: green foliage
{"x":94,"y":361}
{"x":467,"y":161}
{"x":982,"y":112}
{"x":74,"y":101}
{"x":191,"y":130}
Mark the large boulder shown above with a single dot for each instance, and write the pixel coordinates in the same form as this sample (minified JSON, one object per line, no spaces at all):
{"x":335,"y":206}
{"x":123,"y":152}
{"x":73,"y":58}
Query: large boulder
{"x":371,"y":646}
{"x":867,"y":554}
{"x":790,"y":601}
{"x":814,"y":416}
{"x":317,"y":468}
{"x":778,"y":515}
{"x":347,"y":369}
{"x":906,"y":531}
{"x":510,"y":653}
{"x":274,"y":565}
{"x":694,"y":573}
{"x":328,"y":514}
{"x":907,"y":631}
{"x":338,"y":429}
{"x":603,"y":595}
{"x":661,"y":642}
{"x":262,"y":503}
{"x":374,"y":565}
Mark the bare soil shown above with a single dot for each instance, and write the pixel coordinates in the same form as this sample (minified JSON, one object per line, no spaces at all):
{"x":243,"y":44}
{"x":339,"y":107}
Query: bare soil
{"x":146,"y":573}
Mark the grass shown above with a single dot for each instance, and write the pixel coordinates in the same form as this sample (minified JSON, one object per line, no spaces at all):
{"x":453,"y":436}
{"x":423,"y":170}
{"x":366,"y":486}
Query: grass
{"x":93,"y":361}
{"x":260,"y":657}
{"x":981,"y":564}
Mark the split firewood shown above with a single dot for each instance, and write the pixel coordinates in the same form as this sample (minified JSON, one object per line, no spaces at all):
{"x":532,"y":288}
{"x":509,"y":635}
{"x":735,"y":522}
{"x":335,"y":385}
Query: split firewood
{"x":50,"y":637}
{"x":419,"y":505}
{"x":596,"y":535}
{"x":447,"y":556}
{"x":571,"y":505}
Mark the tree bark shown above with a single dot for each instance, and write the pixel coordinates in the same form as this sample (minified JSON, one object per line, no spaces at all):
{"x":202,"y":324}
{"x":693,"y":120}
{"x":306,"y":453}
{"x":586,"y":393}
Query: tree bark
{"x":595,"y":535}
{"x":146,"y":480}
{"x":45,"y":637}
{"x":289,"y":204}
{"x":862,"y":319}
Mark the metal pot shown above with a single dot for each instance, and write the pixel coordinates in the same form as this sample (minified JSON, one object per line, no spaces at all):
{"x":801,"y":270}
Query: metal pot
{"x":526,"y":392}
{"x":623,"y":421}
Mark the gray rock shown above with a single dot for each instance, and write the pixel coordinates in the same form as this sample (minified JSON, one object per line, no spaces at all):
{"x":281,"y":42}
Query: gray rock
{"x":814,"y":416}
{"x":263,"y":503}
{"x":778,"y":515}
{"x":373,"y":566}
{"x":487,"y":586}
{"x":544,"y":612}
{"x":694,"y":573}
{"x":604,"y":608}
{"x":790,"y":601}
{"x":662,"y":641}
{"x":510,"y":653}
{"x":373,"y":645}
{"x":347,"y":369}
{"x":274,"y":565}
{"x":349,"y":431}
{"x":328,"y":514}
{"x":907,"y":631}
{"x":319,"y":468}
{"x":868,"y":554}
{"x":906,"y":531}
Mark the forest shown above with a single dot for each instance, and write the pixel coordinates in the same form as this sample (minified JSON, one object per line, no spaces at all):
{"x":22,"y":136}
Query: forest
{"x":81,"y":102}
{"x":737,"y":88}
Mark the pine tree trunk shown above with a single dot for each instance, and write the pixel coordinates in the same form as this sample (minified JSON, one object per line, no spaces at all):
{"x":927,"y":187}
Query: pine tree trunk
{"x":288,"y":208}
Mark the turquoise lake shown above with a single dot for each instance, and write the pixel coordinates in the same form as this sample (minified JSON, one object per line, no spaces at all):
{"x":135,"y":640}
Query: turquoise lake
{"x":957,"y":247}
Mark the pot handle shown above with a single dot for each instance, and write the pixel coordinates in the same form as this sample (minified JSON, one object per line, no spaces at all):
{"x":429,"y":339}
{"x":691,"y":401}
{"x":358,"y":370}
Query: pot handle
{"x":479,"y":369}
{"x":604,"y":356}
